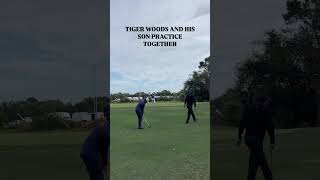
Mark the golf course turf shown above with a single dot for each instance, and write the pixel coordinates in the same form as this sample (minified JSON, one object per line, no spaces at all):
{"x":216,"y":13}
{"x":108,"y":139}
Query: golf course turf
{"x":48,"y":155}
{"x":170,"y":149}
{"x":295,"y":157}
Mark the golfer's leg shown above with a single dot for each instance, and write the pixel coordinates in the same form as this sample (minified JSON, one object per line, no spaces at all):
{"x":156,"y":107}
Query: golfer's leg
{"x":86,"y":163}
{"x":100,"y":176}
{"x":253,"y":166}
{"x":92,"y":168}
{"x":140,"y":121}
{"x":93,"y":175}
{"x":188,"y":115}
{"x":253,"y":162}
{"x":139,"y":118}
{"x":97,"y":174}
{"x":193,"y":116}
{"x":101,"y":173}
{"x":263,"y":163}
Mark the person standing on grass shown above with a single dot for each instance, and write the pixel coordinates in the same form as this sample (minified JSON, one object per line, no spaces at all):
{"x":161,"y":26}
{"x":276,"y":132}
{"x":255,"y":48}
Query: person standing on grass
{"x":140,"y":110}
{"x":153,"y":98}
{"x":190,"y":100}
{"x":95,"y":151}
{"x":256,"y":121}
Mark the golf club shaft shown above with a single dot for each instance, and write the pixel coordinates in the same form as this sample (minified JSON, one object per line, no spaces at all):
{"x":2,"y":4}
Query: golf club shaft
{"x":271,"y":160}
{"x":145,"y":120}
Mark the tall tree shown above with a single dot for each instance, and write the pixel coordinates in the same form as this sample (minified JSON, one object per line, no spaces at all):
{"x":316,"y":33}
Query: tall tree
{"x":286,"y":67}
{"x":199,"y":82}
{"x":305,"y":14}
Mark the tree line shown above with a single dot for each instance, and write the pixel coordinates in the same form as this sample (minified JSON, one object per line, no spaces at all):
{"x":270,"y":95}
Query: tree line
{"x":32,"y":107}
{"x":286,"y":66}
{"x":165,"y":95}
{"x":198,"y":83}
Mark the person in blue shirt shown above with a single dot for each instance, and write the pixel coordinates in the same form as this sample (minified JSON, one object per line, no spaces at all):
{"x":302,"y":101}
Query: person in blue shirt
{"x":140,"y":110}
{"x":95,"y":151}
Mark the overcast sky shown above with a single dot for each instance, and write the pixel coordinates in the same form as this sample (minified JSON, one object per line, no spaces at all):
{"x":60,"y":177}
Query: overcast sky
{"x":135,"y":67}
{"x":48,"y":49}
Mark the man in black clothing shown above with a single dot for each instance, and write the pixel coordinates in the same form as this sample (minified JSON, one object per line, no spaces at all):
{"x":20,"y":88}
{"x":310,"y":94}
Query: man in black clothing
{"x":256,"y":121}
{"x":190,"y":101}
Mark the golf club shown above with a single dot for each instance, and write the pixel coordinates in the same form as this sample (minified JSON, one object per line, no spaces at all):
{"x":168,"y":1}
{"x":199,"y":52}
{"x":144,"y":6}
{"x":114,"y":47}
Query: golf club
{"x":195,"y":113}
{"x":146,"y":121}
{"x":271,"y":160}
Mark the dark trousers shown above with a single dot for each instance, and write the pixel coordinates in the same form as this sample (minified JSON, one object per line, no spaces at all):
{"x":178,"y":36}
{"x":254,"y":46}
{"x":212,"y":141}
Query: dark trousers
{"x":257,"y":158}
{"x":139,"y":114}
{"x":94,"y":167}
{"x":190,"y":112}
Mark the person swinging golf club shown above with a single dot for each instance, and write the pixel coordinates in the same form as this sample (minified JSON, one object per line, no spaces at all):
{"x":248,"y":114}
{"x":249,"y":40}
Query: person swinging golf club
{"x":256,"y":121}
{"x":190,"y":100}
{"x":95,"y":151}
{"x":140,"y":110}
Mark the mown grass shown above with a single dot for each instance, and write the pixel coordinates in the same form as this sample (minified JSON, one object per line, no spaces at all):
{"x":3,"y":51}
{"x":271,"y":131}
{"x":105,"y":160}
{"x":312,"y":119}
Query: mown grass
{"x":296,"y":155}
{"x":170,"y":149}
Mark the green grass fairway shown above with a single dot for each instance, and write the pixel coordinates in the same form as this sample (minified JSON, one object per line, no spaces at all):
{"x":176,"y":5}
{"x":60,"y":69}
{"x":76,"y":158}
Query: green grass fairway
{"x":296,"y":156}
{"x":48,"y":155}
{"x":170,"y":150}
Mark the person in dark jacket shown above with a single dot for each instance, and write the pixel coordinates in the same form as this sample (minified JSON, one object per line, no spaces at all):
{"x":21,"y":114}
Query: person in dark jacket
{"x":140,"y":110}
{"x":256,"y":121}
{"x":95,"y":151}
{"x":190,"y":100}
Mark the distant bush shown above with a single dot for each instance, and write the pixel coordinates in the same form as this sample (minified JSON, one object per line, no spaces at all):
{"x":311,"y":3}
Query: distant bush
{"x":124,"y":100}
{"x":39,"y":123}
{"x":3,"y":117}
{"x":165,"y":99}
{"x":55,"y":122}
{"x":47,"y":123}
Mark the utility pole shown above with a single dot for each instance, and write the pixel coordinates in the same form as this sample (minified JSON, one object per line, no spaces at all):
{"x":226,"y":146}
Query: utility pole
{"x":94,"y":69}
{"x":139,"y":90}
